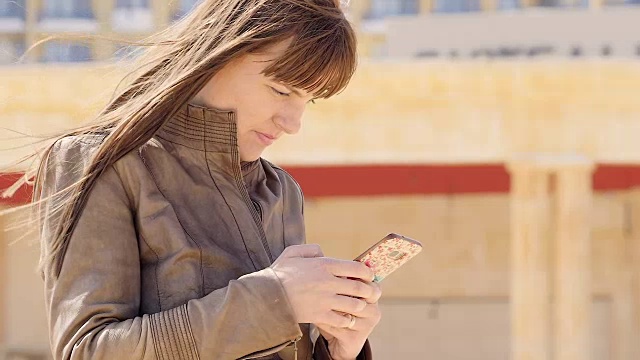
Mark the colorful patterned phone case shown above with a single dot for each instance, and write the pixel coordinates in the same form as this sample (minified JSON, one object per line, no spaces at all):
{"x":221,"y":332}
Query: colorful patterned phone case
{"x":389,"y":254}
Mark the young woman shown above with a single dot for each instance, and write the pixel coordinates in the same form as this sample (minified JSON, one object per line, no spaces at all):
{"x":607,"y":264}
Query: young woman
{"x":166,"y":236}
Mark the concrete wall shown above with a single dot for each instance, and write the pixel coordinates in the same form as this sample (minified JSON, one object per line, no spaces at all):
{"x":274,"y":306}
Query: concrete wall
{"x":24,"y":312}
{"x":456,"y":292}
{"x":412,"y":112}
{"x":416,"y":113}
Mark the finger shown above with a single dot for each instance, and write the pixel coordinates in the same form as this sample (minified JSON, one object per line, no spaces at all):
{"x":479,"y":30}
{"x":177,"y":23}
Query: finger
{"x":353,"y":288}
{"x":371,"y":313}
{"x":303,"y":251}
{"x":330,"y":330}
{"x":335,"y":319}
{"x":348,"y":304}
{"x":375,"y":297}
{"x":350,"y":269}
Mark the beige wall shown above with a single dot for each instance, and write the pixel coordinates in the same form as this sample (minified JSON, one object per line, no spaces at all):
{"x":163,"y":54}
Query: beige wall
{"x":465,"y":237}
{"x":455,"y":291}
{"x":418,"y":112}
{"x":412,"y":112}
{"x":3,"y":287}
{"x":23,"y":311}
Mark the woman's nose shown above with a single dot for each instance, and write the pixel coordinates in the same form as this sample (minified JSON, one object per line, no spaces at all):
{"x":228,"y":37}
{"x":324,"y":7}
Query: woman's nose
{"x":289,"y":122}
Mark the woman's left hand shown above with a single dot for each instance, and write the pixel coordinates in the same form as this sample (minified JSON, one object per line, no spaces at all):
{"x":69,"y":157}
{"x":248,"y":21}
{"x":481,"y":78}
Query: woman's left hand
{"x":346,"y":343}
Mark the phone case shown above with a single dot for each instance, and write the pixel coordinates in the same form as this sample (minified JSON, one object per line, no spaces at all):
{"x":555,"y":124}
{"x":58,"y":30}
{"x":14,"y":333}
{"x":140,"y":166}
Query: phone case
{"x":389,"y":254}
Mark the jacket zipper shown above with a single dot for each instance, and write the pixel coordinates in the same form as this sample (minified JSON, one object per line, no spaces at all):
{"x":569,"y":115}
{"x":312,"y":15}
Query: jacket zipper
{"x":258,"y":208}
{"x":237,"y":174}
{"x":277,"y":348}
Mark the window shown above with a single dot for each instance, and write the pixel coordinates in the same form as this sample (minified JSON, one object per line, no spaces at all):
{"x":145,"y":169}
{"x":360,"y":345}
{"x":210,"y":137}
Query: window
{"x":132,"y":16}
{"x":132,"y":4}
{"x":63,"y":52}
{"x":565,"y":3}
{"x":456,"y":6}
{"x":185,"y":7}
{"x":68,"y":9}
{"x":383,"y":8}
{"x":508,"y":4}
{"x":12,"y":8}
{"x":621,"y":2}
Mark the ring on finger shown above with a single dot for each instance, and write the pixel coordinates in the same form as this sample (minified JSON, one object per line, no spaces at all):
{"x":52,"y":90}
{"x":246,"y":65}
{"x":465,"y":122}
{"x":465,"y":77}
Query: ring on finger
{"x":352,"y":322}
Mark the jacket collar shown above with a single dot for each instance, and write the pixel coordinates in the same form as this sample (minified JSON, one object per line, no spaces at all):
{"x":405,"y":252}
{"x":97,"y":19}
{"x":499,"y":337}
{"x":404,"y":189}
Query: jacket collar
{"x":206,"y":129}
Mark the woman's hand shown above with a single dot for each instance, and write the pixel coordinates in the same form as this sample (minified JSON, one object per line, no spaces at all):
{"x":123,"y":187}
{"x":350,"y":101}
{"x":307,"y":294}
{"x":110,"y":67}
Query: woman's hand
{"x":346,"y":343}
{"x":330,"y":293}
{"x":321,"y":290}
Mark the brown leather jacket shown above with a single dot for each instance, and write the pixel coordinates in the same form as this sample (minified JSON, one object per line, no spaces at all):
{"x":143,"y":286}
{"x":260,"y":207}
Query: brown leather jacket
{"x":171,"y":256}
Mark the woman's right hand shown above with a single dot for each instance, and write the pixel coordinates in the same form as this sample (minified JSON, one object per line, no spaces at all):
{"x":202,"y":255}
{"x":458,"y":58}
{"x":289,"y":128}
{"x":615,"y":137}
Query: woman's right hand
{"x":320,"y":289}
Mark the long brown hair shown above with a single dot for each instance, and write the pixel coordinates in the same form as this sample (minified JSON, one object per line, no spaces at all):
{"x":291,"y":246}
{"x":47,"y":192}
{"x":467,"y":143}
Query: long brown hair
{"x":177,"y":63}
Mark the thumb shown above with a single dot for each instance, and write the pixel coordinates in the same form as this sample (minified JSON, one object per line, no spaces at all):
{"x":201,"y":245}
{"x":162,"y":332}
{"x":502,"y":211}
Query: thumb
{"x":302,"y":251}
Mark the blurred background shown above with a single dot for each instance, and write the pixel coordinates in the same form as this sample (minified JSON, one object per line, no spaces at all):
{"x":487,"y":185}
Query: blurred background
{"x":502,"y":134}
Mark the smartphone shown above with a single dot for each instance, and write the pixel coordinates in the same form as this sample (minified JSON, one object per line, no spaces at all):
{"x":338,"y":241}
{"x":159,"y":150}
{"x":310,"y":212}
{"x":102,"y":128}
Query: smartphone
{"x":388,"y":254}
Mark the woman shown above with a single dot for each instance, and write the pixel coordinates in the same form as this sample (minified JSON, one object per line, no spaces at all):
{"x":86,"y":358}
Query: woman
{"x":166,"y":236}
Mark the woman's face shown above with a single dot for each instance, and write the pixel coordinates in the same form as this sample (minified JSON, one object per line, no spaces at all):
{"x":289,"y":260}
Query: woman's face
{"x":265,"y":108}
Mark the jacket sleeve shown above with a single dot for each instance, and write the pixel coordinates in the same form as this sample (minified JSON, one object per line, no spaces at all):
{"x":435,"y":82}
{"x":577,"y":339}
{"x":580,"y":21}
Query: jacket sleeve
{"x":93,"y":305}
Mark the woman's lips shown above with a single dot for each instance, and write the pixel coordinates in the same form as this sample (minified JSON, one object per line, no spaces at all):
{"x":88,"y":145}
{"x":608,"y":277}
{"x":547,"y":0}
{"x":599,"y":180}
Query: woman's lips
{"x":266,"y":139}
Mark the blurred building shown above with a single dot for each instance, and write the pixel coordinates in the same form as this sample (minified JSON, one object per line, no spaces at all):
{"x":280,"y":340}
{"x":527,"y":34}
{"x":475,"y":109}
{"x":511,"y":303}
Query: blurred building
{"x":510,"y":152}
{"x":456,"y":29}
{"x":388,"y":27}
{"x":25,"y":22}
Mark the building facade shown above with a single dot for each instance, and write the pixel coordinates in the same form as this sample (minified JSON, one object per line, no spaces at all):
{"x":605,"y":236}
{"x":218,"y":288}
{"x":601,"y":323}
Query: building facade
{"x":23,"y":23}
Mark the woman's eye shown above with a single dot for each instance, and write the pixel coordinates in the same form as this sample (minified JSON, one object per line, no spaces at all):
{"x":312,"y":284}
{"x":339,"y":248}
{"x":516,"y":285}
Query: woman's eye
{"x":278,"y":92}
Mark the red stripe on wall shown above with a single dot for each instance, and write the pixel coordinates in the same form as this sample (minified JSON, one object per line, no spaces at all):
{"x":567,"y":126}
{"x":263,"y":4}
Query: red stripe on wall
{"x":616,"y":177}
{"x":20,"y":197}
{"x":400,"y":179}
{"x":372,"y":180}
